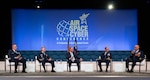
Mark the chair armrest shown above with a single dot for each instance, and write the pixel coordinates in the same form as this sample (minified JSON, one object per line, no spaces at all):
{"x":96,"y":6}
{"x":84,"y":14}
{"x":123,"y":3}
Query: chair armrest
{"x":7,"y":58}
{"x":97,"y":59}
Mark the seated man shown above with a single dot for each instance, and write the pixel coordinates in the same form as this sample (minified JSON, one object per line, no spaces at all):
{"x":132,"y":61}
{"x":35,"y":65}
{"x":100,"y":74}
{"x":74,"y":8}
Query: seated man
{"x":16,"y":57}
{"x":73,"y":57}
{"x":43,"y":58}
{"x":105,"y":57}
{"x":136,"y":55}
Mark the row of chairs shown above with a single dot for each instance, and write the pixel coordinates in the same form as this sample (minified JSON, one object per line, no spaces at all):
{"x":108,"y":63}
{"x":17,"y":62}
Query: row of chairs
{"x":37,"y":63}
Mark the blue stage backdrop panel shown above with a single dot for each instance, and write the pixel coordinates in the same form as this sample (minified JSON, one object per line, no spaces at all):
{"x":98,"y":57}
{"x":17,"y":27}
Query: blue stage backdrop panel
{"x":92,"y":28}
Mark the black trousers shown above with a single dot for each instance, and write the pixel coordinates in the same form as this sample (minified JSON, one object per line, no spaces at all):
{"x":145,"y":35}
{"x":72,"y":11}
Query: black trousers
{"x":133,"y":60}
{"x":77,"y":61}
{"x":47,"y":61}
{"x":103,"y":60}
{"x":23,"y":61}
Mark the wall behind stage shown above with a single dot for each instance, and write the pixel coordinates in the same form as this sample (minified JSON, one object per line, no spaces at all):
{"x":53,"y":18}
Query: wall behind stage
{"x":92,"y":28}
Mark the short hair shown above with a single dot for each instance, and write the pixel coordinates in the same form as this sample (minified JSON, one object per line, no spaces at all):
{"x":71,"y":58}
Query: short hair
{"x":106,"y":47}
{"x":42,"y":47}
{"x":13,"y":44}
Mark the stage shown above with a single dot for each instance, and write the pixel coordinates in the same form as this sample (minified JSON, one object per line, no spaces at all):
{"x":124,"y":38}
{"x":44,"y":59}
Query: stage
{"x":75,"y":76}
{"x":87,"y":72}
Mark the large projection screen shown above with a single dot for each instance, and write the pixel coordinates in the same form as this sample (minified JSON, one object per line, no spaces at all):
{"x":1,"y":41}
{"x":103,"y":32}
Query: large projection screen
{"x":92,"y":28}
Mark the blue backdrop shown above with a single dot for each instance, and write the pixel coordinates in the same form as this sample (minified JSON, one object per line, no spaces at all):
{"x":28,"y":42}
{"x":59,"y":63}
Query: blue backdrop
{"x":92,"y":28}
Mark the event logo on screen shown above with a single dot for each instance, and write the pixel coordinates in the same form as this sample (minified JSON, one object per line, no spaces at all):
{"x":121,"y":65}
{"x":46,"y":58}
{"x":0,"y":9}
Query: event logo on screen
{"x":73,"y":29}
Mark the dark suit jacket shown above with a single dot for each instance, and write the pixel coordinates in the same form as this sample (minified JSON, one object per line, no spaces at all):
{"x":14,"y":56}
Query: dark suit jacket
{"x":141,"y":55}
{"x":104,"y":57}
{"x":76,"y":55}
{"x":42,"y":56}
{"x":12,"y":54}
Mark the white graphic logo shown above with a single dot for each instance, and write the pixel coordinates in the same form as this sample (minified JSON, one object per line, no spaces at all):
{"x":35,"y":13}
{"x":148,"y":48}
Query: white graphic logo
{"x":73,"y":29}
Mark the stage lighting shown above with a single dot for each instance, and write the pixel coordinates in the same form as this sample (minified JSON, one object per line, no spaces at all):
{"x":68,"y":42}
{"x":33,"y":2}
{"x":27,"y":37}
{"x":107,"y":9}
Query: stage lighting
{"x":38,"y":3}
{"x":110,"y":6}
{"x":38,"y":6}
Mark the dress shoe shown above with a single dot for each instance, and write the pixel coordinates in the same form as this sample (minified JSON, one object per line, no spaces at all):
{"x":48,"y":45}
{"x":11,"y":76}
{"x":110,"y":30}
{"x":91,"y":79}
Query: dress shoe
{"x":15,"y":72}
{"x":127,"y":70}
{"x":69,"y":70}
{"x":53,"y":71}
{"x":45,"y":71}
{"x":106,"y":70}
{"x":24,"y":72}
{"x":100,"y":70}
{"x":78,"y":70}
{"x":131,"y":71}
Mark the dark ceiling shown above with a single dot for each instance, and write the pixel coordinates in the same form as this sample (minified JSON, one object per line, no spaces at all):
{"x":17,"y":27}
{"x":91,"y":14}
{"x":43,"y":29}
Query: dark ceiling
{"x":142,"y":5}
{"x":119,"y":4}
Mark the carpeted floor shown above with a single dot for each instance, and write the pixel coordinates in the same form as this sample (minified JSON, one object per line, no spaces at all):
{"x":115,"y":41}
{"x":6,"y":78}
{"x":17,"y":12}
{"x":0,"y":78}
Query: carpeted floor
{"x":75,"y":76}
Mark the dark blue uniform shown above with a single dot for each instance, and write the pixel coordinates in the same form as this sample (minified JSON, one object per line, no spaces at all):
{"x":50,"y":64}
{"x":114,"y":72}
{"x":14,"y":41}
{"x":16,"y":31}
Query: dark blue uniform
{"x":134,"y":59}
{"x":104,"y":57}
{"x":45,"y":58}
{"x":12,"y":54}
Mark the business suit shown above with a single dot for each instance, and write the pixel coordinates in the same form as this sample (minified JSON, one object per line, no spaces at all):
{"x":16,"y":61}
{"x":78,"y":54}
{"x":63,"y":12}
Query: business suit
{"x":104,"y":58}
{"x":12,"y":54}
{"x":134,"y":59}
{"x":76,"y":59}
{"x":44,"y":58}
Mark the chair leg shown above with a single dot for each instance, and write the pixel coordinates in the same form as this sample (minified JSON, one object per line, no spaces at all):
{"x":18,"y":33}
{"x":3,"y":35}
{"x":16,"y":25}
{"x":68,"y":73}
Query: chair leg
{"x":110,"y":67}
{"x":40,"y":68}
{"x":96,"y":66}
{"x":146,"y":66}
{"x":5,"y":65}
{"x":19,"y":68}
{"x":35,"y":67}
{"x":140,"y":67}
{"x":10,"y":68}
{"x":46,"y":67}
{"x":67,"y":67}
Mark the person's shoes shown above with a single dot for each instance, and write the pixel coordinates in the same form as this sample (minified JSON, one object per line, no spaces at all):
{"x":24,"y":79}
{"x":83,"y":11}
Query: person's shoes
{"x":53,"y":71}
{"x":127,"y":70}
{"x":69,"y":70}
{"x":100,"y":70}
{"x":131,"y":71}
{"x":24,"y":72}
{"x":15,"y":72}
{"x":106,"y":70}
{"x":45,"y":71}
{"x":78,"y":70}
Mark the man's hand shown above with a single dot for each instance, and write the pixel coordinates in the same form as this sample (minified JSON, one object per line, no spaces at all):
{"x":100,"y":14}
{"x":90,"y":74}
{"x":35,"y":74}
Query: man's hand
{"x":17,"y":57}
{"x":108,"y":58}
{"x":20,"y":58}
{"x":133,"y":52}
{"x":41,"y":59}
{"x":70,"y":58}
{"x":49,"y":59}
{"x":138,"y":55}
{"x":108,"y":55}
